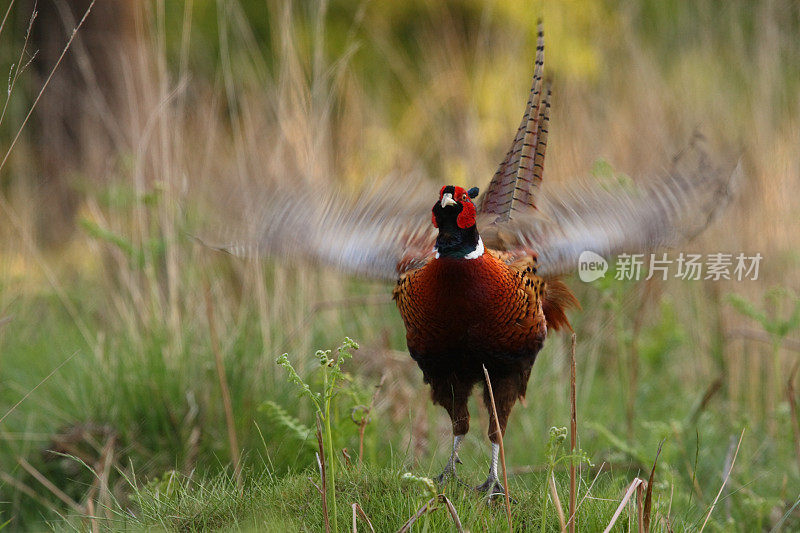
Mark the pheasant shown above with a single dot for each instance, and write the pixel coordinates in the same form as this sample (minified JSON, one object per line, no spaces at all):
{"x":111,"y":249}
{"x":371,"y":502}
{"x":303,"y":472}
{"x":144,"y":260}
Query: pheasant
{"x":471,"y":298}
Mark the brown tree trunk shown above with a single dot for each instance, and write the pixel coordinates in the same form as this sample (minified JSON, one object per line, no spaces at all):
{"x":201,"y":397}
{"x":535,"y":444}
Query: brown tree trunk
{"x":75,"y":133}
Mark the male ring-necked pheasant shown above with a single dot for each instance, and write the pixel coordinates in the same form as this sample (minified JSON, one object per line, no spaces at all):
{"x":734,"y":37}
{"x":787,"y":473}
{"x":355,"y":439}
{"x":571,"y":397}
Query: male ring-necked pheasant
{"x":471,"y":298}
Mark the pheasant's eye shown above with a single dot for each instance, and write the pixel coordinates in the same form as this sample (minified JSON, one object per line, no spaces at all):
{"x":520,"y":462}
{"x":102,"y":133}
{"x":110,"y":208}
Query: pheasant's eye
{"x":464,"y":197}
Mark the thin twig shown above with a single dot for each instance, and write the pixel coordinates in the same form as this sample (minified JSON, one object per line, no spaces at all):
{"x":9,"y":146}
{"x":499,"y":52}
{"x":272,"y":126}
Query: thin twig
{"x":48,"y":376}
{"x":724,"y":482}
{"x":599,"y":471}
{"x":46,"y":83}
{"x":421,"y":511}
{"x":557,"y":501}
{"x":502,"y":450}
{"x":24,"y":489}
{"x":631,"y":488}
{"x":573,"y":435}
{"x":357,"y":508}
{"x":5,"y":17}
{"x":365,"y":418}
{"x":453,"y":513}
{"x":58,"y":493}
{"x":233,"y":442}
{"x":648,"y":499}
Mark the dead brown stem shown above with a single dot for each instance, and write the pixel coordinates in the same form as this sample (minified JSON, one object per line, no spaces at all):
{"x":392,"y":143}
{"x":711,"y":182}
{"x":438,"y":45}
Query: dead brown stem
{"x":648,"y":498}
{"x":426,"y":508}
{"x":628,"y":493}
{"x":357,"y":508}
{"x":453,"y":513}
{"x":421,"y":511}
{"x":58,"y":493}
{"x":712,"y":390}
{"x":573,"y":435}
{"x":233,"y":442}
{"x":562,"y":522}
{"x":502,"y":450}
{"x":640,"y":506}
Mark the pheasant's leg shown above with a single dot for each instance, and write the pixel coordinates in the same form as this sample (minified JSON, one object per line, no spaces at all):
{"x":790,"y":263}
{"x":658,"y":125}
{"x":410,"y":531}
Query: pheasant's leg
{"x":506,"y":389}
{"x":452,"y":394}
{"x":450,"y":468}
{"x":492,"y":484}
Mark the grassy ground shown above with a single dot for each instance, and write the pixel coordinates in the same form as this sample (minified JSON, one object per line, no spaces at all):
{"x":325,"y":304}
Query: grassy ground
{"x":111,"y":402}
{"x":292,"y":503}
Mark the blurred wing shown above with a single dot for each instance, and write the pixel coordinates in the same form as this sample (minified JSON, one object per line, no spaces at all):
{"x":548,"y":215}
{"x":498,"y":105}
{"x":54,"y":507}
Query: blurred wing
{"x":368,"y":235}
{"x":621,"y":219}
{"x":518,"y":178}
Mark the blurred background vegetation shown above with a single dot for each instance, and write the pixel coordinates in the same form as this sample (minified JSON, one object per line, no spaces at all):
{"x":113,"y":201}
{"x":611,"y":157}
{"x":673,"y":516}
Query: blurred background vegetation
{"x":161,"y":109}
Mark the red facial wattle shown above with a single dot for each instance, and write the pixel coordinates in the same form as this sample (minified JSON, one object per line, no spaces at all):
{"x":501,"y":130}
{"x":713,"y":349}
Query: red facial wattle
{"x":466,"y":218}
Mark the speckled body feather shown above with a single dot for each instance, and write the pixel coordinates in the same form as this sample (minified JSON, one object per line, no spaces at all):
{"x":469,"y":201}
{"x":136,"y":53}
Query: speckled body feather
{"x":463,"y":314}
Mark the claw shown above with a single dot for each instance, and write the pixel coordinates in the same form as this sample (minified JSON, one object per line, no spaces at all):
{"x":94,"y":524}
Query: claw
{"x":447,"y":474}
{"x":492,"y":487}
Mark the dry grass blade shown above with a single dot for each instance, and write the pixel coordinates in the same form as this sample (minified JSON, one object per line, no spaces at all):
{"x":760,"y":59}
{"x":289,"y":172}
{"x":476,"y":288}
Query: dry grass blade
{"x":786,"y":515}
{"x":46,"y":83}
{"x":648,"y":498}
{"x":410,"y":522}
{"x":631,"y":489}
{"x":357,"y":509}
{"x":502,"y":450}
{"x":5,"y":17}
{"x":233,"y":441}
{"x":5,"y":320}
{"x":48,"y":376}
{"x":24,"y":489}
{"x":453,"y":512}
{"x":724,"y":482}
{"x":58,"y":493}
{"x":557,"y":502}
{"x":573,"y":434}
{"x":589,"y":490}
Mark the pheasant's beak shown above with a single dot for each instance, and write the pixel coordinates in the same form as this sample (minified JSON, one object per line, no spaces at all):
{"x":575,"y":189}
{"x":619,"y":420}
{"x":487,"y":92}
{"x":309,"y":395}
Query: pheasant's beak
{"x":447,"y":199}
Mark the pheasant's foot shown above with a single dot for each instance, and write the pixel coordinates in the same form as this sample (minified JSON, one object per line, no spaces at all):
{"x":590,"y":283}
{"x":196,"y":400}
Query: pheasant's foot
{"x":449,"y":471}
{"x":492,"y":487}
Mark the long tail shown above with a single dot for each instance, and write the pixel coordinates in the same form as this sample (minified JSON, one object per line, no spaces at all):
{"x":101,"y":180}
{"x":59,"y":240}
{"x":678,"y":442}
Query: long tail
{"x":518,"y":178}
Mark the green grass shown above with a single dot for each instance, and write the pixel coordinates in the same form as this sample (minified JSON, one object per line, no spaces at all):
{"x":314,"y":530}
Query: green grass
{"x":268,"y":503}
{"x":152,"y":405}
